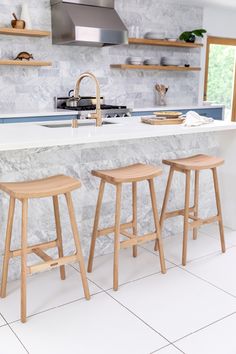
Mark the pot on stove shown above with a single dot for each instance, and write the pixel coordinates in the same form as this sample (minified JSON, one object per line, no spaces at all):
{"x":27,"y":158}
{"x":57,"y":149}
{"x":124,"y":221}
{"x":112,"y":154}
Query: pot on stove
{"x":74,"y":102}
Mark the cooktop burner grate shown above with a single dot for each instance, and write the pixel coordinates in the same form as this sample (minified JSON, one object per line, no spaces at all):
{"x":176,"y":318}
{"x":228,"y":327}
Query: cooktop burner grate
{"x":93,"y":107}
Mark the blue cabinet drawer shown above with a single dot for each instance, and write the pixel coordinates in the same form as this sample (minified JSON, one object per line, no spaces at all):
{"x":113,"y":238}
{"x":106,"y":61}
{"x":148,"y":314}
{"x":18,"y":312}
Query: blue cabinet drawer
{"x":216,"y":113}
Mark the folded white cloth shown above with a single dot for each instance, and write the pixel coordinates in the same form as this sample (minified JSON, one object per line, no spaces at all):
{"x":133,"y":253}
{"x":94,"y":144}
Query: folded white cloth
{"x":193,"y":119}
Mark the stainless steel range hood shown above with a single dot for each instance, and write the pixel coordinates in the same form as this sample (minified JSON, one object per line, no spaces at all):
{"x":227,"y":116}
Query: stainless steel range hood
{"x":87,"y":22}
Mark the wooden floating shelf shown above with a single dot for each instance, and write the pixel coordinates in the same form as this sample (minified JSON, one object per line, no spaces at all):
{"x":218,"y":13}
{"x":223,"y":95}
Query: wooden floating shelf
{"x":24,"y":32}
{"x":153,"y":67}
{"x":25,"y":63}
{"x":164,"y":43}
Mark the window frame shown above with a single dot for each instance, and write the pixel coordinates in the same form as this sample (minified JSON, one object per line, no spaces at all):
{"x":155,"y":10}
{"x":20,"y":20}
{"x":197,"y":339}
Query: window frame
{"x":220,"y":41}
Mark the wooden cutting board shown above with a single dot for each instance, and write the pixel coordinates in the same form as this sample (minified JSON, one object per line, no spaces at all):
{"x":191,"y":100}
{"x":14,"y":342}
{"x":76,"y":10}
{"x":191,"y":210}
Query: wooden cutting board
{"x":156,"y":121}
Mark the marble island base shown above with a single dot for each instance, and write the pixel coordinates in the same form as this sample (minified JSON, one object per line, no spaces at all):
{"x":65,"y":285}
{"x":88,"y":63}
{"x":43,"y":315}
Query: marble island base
{"x":79,"y":160}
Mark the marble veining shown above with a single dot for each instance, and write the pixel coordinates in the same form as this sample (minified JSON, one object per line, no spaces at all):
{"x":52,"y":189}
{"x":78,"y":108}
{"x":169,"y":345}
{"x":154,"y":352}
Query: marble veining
{"x":34,"y":88}
{"x":78,"y":161}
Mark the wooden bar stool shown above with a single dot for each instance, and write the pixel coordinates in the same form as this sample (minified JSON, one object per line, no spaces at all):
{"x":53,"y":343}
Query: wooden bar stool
{"x":186,"y":165}
{"x":130,"y":174}
{"x":23,"y":191}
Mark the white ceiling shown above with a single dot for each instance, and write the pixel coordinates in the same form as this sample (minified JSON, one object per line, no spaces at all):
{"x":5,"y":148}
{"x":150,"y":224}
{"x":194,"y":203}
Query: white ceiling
{"x":228,"y":3}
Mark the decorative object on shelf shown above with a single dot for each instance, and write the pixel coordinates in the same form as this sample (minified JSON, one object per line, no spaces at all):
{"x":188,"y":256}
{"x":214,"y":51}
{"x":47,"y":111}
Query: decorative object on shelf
{"x":134,"y":31}
{"x":17,"y":24}
{"x":155,"y":35}
{"x":135,"y":61}
{"x":190,"y":36}
{"x":151,"y":62}
{"x":162,"y":91}
{"x":24,"y":56}
{"x":169,"y":61}
{"x":25,"y":15}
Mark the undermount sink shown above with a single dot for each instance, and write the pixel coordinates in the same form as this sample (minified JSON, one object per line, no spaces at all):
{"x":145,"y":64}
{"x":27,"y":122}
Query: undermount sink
{"x":68,"y":125}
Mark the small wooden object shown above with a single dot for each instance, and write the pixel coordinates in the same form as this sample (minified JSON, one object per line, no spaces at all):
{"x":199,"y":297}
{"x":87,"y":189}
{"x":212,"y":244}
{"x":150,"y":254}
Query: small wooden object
{"x":24,"y":56}
{"x":23,"y":191}
{"x":187,"y":165}
{"x":158,"y":121}
{"x":18,"y":24}
{"x":117,"y":177}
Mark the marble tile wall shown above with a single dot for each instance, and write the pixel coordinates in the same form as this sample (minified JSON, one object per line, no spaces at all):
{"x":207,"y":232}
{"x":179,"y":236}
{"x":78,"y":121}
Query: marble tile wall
{"x":33,"y":88}
{"x":78,"y":161}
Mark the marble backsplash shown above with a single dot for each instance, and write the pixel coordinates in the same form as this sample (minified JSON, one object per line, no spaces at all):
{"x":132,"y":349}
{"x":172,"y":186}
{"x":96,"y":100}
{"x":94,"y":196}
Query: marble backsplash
{"x":78,"y":161}
{"x":34,"y":88}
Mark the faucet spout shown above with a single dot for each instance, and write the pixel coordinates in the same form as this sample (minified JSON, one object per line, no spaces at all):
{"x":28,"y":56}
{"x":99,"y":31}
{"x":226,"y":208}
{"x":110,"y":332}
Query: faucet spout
{"x":98,"y":114}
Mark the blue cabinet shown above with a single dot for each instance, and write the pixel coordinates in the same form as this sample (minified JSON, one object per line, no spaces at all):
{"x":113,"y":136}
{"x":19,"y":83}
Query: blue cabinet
{"x":214,"y":112}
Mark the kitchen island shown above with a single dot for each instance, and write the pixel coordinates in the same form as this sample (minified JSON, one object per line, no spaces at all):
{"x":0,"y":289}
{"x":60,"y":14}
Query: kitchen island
{"x":31,"y":151}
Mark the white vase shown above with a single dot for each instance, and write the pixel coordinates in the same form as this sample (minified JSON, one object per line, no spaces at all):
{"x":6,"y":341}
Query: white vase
{"x":25,"y":15}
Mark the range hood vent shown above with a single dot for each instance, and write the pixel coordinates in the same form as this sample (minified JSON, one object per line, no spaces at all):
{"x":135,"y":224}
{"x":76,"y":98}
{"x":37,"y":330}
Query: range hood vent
{"x":87,"y":23}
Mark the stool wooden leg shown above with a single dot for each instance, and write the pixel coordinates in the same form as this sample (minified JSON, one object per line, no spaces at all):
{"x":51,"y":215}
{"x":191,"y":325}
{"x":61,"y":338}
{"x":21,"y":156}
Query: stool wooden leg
{"x":196,"y":202}
{"x":186,"y":217}
{"x":7,"y":247}
{"x":24,"y":258}
{"x":77,"y":244}
{"x":218,"y":203}
{"x":165,"y":202}
{"x":59,"y":234}
{"x":95,"y":226}
{"x":157,"y":225}
{"x":117,"y":237}
{"x":134,"y":203}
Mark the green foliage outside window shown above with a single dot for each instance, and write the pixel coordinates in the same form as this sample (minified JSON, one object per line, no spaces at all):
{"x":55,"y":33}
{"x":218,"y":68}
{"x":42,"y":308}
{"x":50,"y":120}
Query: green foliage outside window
{"x":221,"y":74}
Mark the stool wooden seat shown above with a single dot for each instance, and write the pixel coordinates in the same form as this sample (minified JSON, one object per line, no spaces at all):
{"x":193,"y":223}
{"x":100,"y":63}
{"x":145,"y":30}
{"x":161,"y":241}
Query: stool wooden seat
{"x":186,"y":165}
{"x":47,"y":187}
{"x":195,"y":163}
{"x":129,"y":174}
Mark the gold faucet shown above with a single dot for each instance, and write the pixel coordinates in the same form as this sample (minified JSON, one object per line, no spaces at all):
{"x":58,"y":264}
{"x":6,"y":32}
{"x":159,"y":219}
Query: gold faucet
{"x":98,"y":114}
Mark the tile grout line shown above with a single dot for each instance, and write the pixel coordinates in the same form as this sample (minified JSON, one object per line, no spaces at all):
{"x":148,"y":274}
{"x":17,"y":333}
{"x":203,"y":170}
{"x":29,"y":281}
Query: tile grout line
{"x":56,"y":307}
{"x":134,"y":280}
{"x":107,"y":293}
{"x":204,"y":280}
{"x":8,"y":325}
{"x":204,"y":327}
{"x":166,"y":346}
{"x":182,"y":268}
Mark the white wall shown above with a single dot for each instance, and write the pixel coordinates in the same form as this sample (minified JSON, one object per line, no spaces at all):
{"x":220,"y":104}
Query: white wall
{"x":219,"y":22}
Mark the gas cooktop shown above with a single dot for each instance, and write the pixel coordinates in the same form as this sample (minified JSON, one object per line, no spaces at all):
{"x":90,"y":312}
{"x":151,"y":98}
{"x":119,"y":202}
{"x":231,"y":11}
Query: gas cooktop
{"x":108,"y":111}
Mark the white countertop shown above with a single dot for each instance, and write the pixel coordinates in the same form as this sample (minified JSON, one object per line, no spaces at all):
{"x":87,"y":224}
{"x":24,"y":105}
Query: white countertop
{"x":30,"y":114}
{"x":35,"y":135}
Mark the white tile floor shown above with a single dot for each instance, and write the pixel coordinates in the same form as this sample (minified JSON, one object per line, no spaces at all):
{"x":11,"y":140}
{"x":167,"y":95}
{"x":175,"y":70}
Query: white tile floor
{"x":189,"y":310}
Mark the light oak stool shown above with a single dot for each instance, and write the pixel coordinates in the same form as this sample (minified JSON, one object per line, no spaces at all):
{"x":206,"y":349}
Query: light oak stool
{"x":117,"y":177}
{"x":187,"y":165}
{"x":23,"y":191}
